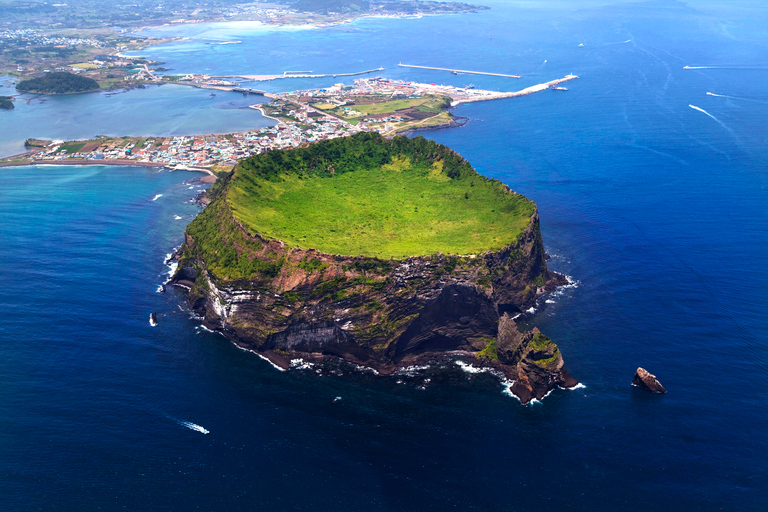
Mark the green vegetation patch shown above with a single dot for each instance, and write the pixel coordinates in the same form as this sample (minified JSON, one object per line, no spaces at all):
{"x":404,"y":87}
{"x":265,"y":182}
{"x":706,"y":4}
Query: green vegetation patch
{"x":491,"y":350}
{"x":58,"y":83}
{"x":376,"y":197}
{"x":71,"y":147}
{"x":6,"y":103}
{"x":228,"y":254}
{"x":540,"y":342}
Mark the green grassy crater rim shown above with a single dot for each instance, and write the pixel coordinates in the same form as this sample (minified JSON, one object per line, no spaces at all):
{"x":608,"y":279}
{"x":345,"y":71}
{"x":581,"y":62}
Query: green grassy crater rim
{"x":366,"y":195}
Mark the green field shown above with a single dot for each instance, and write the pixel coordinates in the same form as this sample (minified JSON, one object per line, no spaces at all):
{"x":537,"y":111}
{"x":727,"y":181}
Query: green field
{"x":431,"y":104}
{"x":420,"y":199}
{"x":71,"y":147}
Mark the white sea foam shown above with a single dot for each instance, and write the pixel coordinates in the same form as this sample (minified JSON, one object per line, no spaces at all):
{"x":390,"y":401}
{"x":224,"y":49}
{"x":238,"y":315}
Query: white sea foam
{"x":549,"y":301}
{"x":172,"y":265}
{"x":577,"y":386}
{"x":530,"y":310}
{"x":411,"y":370}
{"x":176,"y":217}
{"x":158,"y":196}
{"x":152,"y":321}
{"x":301,"y":364}
{"x":537,"y":401}
{"x":159,"y":288}
{"x":362,"y":368}
{"x":468,"y":368}
{"x":506,"y":386}
{"x":263,"y":357}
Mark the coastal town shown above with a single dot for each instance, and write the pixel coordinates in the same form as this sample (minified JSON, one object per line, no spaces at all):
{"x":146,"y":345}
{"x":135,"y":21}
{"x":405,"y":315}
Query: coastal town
{"x":302,"y":117}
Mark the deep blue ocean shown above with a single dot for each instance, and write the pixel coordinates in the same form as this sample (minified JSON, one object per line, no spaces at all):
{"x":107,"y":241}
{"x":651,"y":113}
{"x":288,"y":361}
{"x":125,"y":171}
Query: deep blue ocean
{"x":658,"y":211}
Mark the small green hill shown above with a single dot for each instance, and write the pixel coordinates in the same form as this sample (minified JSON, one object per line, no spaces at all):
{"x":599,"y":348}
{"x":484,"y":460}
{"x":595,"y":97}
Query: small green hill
{"x":6,"y":102}
{"x":58,"y":83}
{"x":376,"y":197}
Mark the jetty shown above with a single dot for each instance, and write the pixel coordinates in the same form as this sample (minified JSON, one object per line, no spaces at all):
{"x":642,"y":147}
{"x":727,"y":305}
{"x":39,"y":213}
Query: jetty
{"x":489,"y":95}
{"x":458,"y":71}
{"x":298,"y":74}
{"x":248,"y":91}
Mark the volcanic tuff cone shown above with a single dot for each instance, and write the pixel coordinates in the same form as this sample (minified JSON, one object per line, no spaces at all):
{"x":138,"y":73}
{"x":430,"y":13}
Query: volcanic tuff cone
{"x":380,"y":252}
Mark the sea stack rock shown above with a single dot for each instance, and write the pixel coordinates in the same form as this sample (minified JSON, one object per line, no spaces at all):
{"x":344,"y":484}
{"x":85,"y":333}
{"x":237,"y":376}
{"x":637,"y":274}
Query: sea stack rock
{"x":645,"y":380}
{"x":153,"y":319}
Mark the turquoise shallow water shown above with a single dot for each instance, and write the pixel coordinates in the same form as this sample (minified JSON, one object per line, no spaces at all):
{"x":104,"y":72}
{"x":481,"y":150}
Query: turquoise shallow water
{"x":156,"y":110}
{"x":657,"y":211}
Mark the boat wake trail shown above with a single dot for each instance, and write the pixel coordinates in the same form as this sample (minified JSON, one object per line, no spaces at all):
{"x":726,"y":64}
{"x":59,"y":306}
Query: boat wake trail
{"x":737,"y":98}
{"x":722,"y":67}
{"x":694,"y":107}
{"x":191,"y":426}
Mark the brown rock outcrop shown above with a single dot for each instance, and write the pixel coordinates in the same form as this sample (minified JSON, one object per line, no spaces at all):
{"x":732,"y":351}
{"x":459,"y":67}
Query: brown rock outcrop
{"x":644,"y":379}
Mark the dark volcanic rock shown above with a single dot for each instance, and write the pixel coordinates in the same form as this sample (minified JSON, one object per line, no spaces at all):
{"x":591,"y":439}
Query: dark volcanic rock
{"x":645,"y":380}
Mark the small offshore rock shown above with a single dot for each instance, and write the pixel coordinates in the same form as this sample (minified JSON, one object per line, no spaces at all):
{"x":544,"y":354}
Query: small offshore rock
{"x":153,"y":319}
{"x":646,"y":380}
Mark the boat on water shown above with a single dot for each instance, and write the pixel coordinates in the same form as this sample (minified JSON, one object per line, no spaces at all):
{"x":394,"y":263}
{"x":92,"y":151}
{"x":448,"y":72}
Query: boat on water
{"x":555,"y":88}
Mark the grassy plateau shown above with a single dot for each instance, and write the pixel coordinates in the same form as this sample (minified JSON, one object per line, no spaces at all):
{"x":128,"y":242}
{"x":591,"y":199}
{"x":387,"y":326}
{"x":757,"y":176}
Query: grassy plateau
{"x":376,"y":197}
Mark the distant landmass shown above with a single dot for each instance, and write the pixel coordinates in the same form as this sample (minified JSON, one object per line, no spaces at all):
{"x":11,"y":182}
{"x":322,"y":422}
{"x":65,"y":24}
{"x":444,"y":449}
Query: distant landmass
{"x":382,"y":6}
{"x":59,"y":82}
{"x":382,"y":252}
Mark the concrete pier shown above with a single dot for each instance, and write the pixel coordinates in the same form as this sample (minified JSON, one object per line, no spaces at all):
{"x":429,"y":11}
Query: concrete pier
{"x":463,"y":71}
{"x":294,"y":74}
{"x":528,"y":90}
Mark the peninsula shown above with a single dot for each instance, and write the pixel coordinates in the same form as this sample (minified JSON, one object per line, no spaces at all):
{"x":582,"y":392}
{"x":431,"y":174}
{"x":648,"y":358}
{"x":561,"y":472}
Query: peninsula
{"x":303,"y":117}
{"x":382,"y":252}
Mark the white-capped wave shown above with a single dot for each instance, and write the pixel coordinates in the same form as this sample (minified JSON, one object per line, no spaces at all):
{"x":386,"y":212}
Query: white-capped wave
{"x":158,"y":196}
{"x":177,"y":217}
{"x":577,"y":386}
{"x":549,"y":301}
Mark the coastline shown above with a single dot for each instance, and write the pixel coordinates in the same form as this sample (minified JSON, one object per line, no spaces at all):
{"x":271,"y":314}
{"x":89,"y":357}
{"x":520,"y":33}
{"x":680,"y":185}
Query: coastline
{"x":110,"y":162}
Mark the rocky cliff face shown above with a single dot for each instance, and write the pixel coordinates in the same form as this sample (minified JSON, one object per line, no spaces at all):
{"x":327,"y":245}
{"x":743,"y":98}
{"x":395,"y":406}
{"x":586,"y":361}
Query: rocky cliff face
{"x":381,"y":314}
